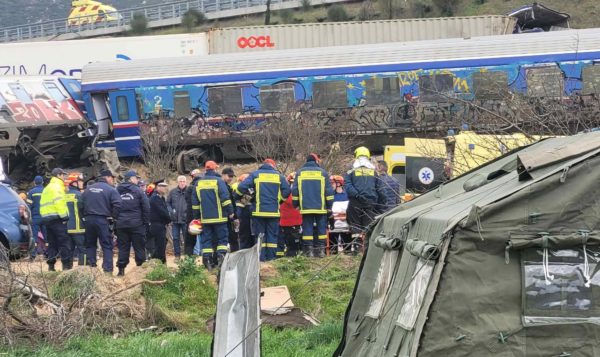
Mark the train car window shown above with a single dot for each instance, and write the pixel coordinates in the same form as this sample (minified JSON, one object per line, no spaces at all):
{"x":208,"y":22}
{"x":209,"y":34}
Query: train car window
{"x":122,"y":108}
{"x":490,"y":85}
{"x":54,"y":92}
{"x":182,"y":104}
{"x":225,"y":100}
{"x":330,"y":94}
{"x":435,"y":87}
{"x":277,"y":98}
{"x":544,"y":82}
{"x":591,"y":79}
{"x":383,"y":90}
{"x":20,"y":93}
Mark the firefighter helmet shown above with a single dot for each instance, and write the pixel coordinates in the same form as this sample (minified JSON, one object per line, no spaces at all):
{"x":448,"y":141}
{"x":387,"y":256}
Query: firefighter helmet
{"x":195,"y":227}
{"x":242,"y":177}
{"x":337,"y":179}
{"x":73,"y":177}
{"x":362,"y":151}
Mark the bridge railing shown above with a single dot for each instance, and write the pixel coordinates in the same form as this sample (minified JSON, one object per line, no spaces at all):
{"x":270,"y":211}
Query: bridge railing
{"x":122,"y":18}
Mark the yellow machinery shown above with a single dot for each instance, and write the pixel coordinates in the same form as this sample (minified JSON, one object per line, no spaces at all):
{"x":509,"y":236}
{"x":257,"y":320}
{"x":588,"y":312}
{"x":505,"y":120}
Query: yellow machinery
{"x":84,"y":12}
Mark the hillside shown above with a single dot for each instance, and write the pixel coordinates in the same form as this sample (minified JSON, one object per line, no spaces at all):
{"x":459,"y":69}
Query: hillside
{"x":584,"y":13}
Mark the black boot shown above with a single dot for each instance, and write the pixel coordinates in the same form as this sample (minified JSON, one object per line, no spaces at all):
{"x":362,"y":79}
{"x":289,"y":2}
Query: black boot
{"x":320,"y":252}
{"x":307,"y":251}
{"x":220,"y":259}
{"x":207,"y":262}
{"x":121,"y":272}
{"x":51,"y":267}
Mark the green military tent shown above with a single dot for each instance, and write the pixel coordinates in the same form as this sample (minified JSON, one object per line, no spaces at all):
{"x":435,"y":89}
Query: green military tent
{"x":501,"y":261}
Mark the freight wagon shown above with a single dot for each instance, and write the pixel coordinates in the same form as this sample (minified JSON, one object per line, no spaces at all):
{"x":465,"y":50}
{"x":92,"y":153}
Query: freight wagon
{"x":326,"y":34}
{"x":66,"y":58}
{"x":380,"y":91}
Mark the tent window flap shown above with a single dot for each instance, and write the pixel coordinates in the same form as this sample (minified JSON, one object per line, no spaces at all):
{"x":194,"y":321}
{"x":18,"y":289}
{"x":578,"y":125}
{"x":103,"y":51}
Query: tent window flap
{"x":561,"y":286}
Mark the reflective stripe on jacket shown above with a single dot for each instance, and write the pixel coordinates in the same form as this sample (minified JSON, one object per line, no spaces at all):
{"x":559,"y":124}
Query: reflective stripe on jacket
{"x":212,"y":202}
{"x":362,"y":184}
{"x":312,"y":191}
{"x":270,"y":189}
{"x":53,"y":204}
{"x":33,"y":200}
{"x":75,"y":224}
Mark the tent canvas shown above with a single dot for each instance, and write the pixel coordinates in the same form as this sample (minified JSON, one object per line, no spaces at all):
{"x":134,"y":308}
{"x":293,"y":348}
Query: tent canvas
{"x":500,"y":261}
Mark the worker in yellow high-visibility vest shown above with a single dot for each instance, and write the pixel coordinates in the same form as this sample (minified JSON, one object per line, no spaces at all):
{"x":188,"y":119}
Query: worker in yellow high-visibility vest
{"x":55,"y":215}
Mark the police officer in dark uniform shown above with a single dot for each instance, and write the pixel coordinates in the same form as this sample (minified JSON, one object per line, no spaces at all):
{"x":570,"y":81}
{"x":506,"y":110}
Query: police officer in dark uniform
{"x":101,"y":206}
{"x":159,"y":218}
{"x":132,"y":222}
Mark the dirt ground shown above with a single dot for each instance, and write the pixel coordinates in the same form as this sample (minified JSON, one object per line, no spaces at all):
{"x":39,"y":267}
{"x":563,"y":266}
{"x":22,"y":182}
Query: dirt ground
{"x":133,"y":273}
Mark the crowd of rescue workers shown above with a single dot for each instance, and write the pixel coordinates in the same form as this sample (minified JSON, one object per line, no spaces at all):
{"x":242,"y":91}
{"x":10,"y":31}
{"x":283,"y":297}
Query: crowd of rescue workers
{"x":307,"y":212}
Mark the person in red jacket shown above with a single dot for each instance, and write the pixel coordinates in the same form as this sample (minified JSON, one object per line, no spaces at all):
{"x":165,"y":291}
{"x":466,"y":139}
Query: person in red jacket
{"x":290,"y":226}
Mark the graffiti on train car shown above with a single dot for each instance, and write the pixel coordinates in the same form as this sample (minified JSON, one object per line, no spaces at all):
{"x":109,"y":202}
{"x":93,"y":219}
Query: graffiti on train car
{"x":400,"y":100}
{"x":37,"y":103}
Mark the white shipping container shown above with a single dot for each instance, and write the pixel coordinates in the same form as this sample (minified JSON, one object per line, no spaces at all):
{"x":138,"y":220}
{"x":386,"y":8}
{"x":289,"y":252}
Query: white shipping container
{"x":279,"y":37}
{"x":68,"y":57}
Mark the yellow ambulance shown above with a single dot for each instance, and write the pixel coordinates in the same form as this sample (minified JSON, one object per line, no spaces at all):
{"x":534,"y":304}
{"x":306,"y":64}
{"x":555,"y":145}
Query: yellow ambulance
{"x":84,"y":12}
{"x":421,"y":164}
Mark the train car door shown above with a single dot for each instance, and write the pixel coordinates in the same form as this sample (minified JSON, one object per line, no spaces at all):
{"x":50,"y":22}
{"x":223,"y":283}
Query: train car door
{"x":125,"y":120}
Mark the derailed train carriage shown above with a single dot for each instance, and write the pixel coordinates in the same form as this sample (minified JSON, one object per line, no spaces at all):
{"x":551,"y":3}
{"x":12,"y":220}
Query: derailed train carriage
{"x":383,"y":92}
{"x":501,"y":261}
{"x":42,"y":125}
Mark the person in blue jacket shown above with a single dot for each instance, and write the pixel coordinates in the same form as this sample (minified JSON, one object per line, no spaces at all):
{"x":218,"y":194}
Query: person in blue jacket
{"x":75,"y":225}
{"x":33,"y":200}
{"x":389,"y":188}
{"x":101,"y":206}
{"x":133,"y":221}
{"x":313,"y":195}
{"x":363,"y":188}
{"x":212,"y":204}
{"x":270,"y":189}
{"x":159,"y":219}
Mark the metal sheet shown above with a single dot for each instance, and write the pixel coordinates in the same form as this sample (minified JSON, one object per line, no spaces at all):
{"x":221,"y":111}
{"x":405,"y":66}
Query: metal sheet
{"x":416,"y":54}
{"x":237,"y":332}
{"x":256,"y":38}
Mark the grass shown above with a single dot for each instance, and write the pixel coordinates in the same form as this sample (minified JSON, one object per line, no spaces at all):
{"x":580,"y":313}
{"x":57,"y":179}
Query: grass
{"x":327,"y":296}
{"x":317,"y":342}
{"x":188,"y":300}
{"x":72,"y":285}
